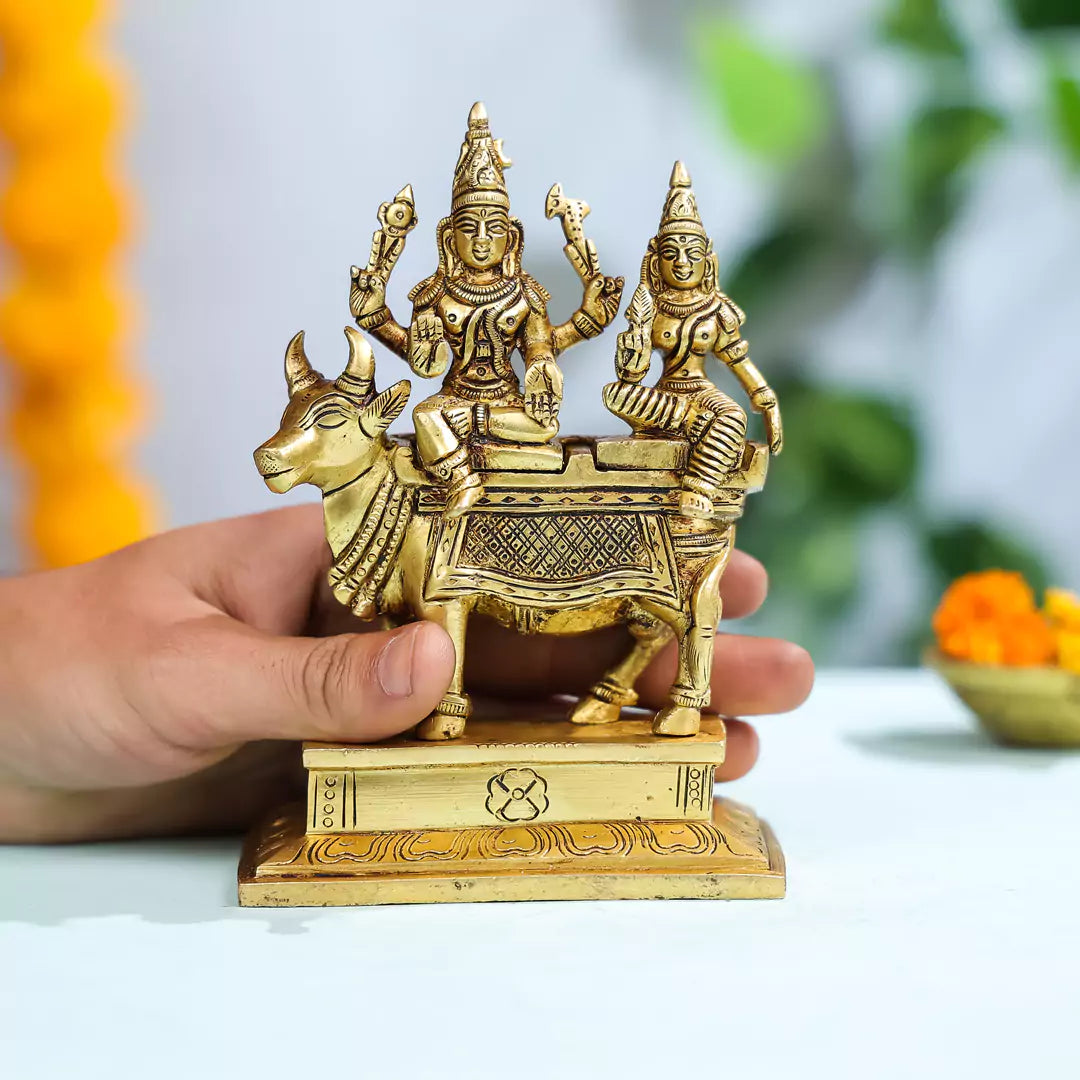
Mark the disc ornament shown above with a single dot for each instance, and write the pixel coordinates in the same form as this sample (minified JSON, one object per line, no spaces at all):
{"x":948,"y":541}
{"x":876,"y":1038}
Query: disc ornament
{"x":486,"y":510}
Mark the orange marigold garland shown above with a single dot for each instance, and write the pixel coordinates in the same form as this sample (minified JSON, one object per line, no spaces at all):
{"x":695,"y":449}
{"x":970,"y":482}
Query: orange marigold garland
{"x":992,"y":618}
{"x":62,"y":319}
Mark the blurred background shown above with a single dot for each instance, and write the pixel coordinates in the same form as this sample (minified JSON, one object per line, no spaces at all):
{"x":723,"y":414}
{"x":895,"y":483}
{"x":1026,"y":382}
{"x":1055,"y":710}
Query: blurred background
{"x":892,"y":187}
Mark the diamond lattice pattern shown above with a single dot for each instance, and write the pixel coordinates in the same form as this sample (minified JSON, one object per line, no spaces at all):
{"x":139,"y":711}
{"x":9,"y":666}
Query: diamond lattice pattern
{"x":554,"y":547}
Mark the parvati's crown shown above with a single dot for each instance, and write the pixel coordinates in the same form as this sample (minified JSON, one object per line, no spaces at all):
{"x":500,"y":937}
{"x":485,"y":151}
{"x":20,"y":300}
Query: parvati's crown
{"x":478,"y":176}
{"x":680,"y":210}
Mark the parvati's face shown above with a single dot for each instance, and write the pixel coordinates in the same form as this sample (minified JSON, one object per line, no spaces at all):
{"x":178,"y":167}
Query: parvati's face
{"x":480,"y":236}
{"x":682,"y":260}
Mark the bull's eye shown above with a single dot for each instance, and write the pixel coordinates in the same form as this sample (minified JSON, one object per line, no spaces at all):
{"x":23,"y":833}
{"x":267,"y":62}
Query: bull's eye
{"x":330,"y":419}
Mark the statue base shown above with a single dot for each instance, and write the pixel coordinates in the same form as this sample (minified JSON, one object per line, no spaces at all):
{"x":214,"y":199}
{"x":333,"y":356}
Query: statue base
{"x":515,"y":810}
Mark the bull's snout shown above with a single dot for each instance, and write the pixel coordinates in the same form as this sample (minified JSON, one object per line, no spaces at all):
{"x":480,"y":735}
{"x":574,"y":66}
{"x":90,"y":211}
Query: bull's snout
{"x":277,"y":475}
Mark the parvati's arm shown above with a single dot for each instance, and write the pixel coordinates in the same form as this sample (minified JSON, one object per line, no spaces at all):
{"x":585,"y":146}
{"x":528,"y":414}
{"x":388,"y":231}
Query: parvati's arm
{"x":734,"y":351}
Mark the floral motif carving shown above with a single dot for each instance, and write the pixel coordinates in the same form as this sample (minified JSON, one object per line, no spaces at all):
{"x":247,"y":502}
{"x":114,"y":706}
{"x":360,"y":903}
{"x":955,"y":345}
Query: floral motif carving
{"x":517,"y":795}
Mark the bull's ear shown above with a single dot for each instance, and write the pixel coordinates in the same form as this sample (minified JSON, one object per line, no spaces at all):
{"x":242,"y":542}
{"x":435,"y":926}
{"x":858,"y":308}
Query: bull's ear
{"x":385,"y":408}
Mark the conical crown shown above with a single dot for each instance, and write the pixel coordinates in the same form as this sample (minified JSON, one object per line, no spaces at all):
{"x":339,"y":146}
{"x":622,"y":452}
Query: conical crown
{"x":680,"y":210}
{"x":478,"y":176}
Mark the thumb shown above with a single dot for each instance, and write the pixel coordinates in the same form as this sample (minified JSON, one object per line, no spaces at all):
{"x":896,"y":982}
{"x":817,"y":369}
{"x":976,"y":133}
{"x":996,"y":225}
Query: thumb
{"x":240,"y":684}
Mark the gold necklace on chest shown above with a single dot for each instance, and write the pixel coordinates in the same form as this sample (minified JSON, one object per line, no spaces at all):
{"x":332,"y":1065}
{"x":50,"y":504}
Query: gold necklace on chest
{"x":682,"y":309}
{"x":468,"y":292}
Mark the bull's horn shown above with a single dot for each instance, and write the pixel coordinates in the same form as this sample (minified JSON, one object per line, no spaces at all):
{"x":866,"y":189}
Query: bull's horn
{"x":299,"y":374}
{"x":360,"y":370}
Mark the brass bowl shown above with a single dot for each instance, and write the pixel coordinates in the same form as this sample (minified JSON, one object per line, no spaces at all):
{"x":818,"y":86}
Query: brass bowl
{"x":1027,"y":706}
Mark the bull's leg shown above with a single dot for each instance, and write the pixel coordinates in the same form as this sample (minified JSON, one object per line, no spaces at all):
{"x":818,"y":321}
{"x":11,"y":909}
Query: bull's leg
{"x":683,"y":715}
{"x":448,"y":720}
{"x":603,"y":704}
{"x":695,"y":630}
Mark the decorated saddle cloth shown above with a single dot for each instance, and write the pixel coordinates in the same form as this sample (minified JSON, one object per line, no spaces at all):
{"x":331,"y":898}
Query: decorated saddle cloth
{"x":546,"y":555}
{"x":563,"y":537}
{"x":598,"y":528}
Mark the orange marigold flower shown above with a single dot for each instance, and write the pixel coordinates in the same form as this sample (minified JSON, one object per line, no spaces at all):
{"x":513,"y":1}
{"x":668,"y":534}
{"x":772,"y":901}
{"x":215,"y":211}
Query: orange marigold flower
{"x":991,"y":618}
{"x":977,"y":642}
{"x":982,"y":597}
{"x":1027,"y":641}
{"x":1021,"y":640}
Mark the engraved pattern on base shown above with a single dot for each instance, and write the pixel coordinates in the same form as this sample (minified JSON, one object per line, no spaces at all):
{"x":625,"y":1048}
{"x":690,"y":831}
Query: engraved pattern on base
{"x":600,"y":844}
{"x":517,"y":795}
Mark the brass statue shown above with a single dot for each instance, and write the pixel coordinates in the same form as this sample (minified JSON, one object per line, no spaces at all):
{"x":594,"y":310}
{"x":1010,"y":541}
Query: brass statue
{"x":683,"y":313}
{"x":475,"y":310}
{"x":485,"y":510}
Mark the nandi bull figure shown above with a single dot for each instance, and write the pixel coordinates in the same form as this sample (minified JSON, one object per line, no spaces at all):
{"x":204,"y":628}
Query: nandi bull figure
{"x":588,"y":535}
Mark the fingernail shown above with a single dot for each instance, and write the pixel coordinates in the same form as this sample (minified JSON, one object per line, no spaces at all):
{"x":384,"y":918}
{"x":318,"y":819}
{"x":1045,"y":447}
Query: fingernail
{"x":395,"y":664}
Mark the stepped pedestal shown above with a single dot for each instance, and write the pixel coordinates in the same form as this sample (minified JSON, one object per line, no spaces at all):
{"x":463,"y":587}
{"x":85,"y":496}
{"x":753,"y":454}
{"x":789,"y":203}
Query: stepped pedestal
{"x":515,"y":810}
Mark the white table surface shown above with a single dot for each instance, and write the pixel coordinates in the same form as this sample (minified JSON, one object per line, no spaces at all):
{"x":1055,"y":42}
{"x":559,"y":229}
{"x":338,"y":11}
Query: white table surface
{"x":931,"y":929}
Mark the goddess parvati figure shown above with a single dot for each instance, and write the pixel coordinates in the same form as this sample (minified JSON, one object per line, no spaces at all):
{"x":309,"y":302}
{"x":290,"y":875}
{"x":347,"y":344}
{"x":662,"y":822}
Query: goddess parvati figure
{"x":692,"y":319}
{"x":470,"y":316}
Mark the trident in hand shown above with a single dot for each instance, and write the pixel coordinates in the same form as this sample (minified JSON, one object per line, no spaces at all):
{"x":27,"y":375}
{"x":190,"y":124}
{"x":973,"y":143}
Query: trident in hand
{"x":396,"y":219}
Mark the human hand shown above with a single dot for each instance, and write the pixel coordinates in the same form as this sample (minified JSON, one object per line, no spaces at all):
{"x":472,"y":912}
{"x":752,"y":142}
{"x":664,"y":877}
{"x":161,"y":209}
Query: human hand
{"x":367,"y":293}
{"x":163,"y":689}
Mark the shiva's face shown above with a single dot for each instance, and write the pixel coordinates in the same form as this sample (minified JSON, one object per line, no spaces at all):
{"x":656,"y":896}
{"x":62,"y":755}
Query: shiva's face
{"x":480,"y":236}
{"x":682,"y":260}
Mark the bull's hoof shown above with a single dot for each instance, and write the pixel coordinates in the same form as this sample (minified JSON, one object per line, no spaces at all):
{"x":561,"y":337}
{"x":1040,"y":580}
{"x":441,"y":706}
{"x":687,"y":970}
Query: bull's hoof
{"x":677,"y":720}
{"x":591,"y":710}
{"x":440,"y":726}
